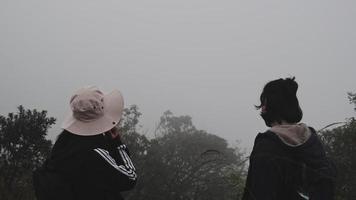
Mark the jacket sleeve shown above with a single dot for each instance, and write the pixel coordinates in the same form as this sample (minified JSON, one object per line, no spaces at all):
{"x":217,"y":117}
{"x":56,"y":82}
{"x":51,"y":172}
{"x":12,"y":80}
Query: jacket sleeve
{"x":112,"y":170}
{"x":264,"y":178}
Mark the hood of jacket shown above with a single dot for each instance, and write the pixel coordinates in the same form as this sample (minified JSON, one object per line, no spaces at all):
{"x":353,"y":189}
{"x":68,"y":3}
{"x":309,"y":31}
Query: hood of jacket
{"x":293,"y":134}
{"x":300,"y":142}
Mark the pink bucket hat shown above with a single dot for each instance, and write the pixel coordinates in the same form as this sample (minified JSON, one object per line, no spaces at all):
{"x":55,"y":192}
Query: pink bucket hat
{"x":93,"y":112}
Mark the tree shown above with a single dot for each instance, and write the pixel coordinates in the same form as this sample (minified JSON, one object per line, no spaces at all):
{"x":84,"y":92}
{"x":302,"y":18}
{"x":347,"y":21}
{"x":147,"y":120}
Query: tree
{"x":183,"y":162}
{"x":352,"y":98}
{"x":128,"y":128}
{"x":23,"y":147}
{"x":340,"y":146}
{"x":138,"y":145}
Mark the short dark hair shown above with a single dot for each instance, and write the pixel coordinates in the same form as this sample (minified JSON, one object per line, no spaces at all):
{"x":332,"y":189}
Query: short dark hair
{"x":280,"y":102}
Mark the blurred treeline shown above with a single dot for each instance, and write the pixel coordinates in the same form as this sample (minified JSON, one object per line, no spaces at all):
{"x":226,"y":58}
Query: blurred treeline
{"x":179,"y":162}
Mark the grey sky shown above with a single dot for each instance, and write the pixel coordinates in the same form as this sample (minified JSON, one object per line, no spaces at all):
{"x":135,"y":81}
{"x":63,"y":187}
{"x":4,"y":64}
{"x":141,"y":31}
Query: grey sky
{"x":207,"y":59}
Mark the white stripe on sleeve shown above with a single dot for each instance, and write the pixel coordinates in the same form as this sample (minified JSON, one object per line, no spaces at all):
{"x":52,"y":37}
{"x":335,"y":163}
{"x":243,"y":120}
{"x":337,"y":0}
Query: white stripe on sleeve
{"x":128,"y":171}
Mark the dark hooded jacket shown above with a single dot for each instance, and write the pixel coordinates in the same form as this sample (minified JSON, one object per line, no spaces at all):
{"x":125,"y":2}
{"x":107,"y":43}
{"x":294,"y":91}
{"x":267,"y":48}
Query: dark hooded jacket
{"x":93,"y":167}
{"x":289,"y":163}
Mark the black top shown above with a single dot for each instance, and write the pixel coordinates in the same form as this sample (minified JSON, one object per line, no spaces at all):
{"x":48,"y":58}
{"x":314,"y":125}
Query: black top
{"x":278,"y":171}
{"x":96,"y":167}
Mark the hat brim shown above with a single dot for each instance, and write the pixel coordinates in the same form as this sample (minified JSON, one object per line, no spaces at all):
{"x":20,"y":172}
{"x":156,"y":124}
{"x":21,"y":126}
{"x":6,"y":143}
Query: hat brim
{"x":113,"y":109}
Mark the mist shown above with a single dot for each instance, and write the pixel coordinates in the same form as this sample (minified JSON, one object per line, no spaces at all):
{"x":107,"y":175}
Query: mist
{"x":206,"y":59}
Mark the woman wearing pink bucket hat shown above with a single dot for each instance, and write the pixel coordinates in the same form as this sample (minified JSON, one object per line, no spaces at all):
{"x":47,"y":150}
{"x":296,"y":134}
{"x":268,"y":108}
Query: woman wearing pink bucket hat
{"x":88,"y":160}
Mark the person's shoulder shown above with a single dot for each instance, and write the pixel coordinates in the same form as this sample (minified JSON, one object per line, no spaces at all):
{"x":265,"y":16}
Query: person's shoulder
{"x":266,"y":138}
{"x":267,"y":143}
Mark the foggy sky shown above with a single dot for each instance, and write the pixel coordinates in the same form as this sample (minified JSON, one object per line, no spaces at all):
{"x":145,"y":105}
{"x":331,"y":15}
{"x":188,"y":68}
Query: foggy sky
{"x":203,"y":58}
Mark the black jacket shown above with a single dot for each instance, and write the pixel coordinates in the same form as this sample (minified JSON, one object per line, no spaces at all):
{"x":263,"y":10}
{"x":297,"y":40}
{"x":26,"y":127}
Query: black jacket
{"x":281,"y":172}
{"x":95,"y":167}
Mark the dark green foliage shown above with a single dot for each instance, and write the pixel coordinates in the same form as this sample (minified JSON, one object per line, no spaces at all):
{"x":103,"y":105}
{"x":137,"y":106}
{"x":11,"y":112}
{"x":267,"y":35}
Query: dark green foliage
{"x":137,"y":143}
{"x":340,"y":144}
{"x":352,"y":98}
{"x":182,"y":162}
{"x":23,"y":147}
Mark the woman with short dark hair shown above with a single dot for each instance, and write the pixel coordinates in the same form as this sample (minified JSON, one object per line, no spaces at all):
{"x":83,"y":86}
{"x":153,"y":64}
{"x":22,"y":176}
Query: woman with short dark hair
{"x":288,"y":161}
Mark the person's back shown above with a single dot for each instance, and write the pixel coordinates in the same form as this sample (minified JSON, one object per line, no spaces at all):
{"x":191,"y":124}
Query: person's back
{"x":288,"y":161}
{"x":88,"y":160}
